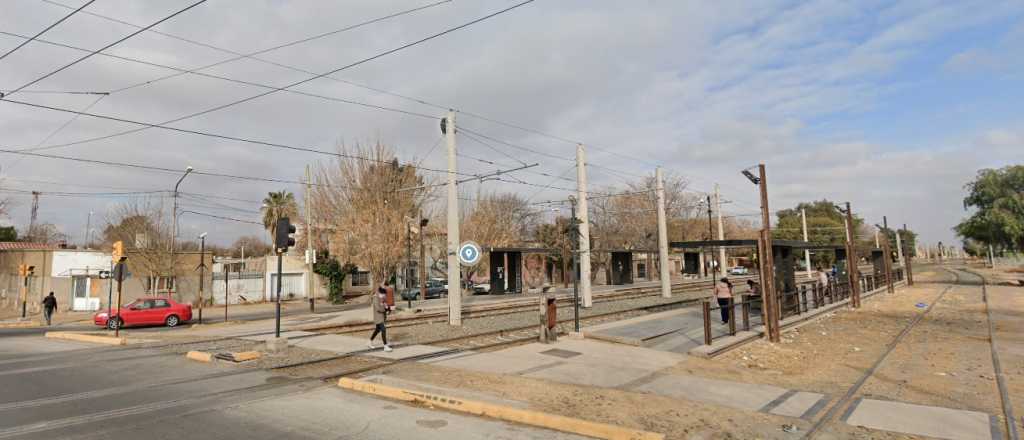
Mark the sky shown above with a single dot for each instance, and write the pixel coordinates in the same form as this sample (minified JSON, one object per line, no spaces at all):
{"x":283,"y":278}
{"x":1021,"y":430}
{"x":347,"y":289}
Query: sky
{"x":891,"y":105}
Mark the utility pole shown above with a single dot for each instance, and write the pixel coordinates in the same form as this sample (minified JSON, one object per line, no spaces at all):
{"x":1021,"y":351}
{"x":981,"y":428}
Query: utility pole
{"x":666,"y":282}
{"x":711,"y":236}
{"x":88,"y":226}
{"x":574,"y":239}
{"x":584,"y":218}
{"x":771,"y":301}
{"x":226,"y":290}
{"x":408,"y":255}
{"x":454,"y":277}
{"x":853,"y":272}
{"x":888,"y":258}
{"x":34,"y":215}
{"x":908,"y":264}
{"x":807,"y":252}
{"x":899,"y":250}
{"x":310,"y":249}
{"x":202,"y":272}
{"x":722,"y":261}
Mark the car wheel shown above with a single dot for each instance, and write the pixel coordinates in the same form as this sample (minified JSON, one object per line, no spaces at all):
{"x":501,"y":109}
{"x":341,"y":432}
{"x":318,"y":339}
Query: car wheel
{"x":113,"y":323}
{"x":172,"y":321}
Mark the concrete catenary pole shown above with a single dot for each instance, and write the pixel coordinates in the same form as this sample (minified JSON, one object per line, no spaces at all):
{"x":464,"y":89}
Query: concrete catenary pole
{"x":899,"y":250}
{"x":722,"y":262}
{"x":807,"y":252}
{"x":584,"y":218}
{"x":666,"y":282}
{"x":310,"y":249}
{"x":454,"y":276}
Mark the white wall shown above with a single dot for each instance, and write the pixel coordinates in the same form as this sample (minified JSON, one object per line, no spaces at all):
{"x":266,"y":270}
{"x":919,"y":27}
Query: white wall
{"x":75,"y":262}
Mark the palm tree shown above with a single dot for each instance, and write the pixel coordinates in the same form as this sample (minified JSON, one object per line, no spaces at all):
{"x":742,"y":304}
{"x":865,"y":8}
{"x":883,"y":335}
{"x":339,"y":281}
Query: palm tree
{"x":276,"y":205}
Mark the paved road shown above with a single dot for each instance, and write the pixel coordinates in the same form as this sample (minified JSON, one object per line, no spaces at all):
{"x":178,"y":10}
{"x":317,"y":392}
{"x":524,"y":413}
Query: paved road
{"x":57,"y":389}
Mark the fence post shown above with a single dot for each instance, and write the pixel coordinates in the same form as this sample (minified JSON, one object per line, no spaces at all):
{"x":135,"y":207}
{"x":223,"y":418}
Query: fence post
{"x":732,"y":316}
{"x":745,"y":307}
{"x":707,"y":321}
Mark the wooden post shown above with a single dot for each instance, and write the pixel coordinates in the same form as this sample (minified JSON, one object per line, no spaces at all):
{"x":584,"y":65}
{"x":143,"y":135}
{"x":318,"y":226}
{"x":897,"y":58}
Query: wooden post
{"x":767,"y":264}
{"x":706,"y":309}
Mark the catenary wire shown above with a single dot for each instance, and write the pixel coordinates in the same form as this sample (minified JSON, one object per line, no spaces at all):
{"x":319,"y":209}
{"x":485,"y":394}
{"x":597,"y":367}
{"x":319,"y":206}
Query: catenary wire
{"x":122,"y":39}
{"x":23,"y":43}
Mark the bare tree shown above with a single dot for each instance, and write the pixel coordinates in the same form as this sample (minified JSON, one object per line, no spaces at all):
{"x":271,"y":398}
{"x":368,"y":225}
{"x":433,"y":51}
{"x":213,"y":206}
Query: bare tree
{"x":45,"y":233}
{"x":364,"y":205}
{"x":253,"y":246}
{"x":146,"y":233}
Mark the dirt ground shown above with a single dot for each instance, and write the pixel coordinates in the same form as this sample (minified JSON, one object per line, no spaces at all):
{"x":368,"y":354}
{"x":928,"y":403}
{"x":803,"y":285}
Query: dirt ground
{"x":677,"y":419}
{"x":944,"y":361}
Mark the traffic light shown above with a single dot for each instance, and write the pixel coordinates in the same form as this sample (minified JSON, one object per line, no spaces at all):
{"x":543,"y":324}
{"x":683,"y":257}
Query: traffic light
{"x":117,"y":254}
{"x":284,"y":232}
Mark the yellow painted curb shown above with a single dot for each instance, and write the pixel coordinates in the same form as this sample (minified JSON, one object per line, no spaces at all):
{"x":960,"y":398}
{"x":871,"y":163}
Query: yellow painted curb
{"x":242,"y":356}
{"x":109,"y":340}
{"x":200,"y":356}
{"x":21,"y":324}
{"x":526,"y":417}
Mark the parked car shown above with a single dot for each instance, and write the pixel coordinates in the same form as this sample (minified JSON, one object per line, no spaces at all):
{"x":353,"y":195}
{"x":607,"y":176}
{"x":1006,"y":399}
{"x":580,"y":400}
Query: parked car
{"x":146,"y":311}
{"x":739,"y":270}
{"x":481,"y":288}
{"x":436,"y":288}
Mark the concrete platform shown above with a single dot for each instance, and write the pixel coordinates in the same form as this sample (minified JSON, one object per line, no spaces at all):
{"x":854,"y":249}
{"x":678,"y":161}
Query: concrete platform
{"x":923,"y":420}
{"x":636,"y":331}
{"x":434,"y":389}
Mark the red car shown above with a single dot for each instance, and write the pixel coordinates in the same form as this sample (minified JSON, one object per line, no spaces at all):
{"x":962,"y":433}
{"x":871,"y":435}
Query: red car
{"x":147,"y":311}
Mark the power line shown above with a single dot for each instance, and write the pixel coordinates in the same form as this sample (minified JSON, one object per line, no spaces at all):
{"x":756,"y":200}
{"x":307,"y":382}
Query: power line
{"x":421,"y":101}
{"x":51,"y":92}
{"x":481,"y":142}
{"x":83,"y":58}
{"x":23,"y":43}
{"x":289,"y":44}
{"x":220,"y":217}
{"x":321,"y":75}
{"x":208,"y":134}
{"x":518,"y":147}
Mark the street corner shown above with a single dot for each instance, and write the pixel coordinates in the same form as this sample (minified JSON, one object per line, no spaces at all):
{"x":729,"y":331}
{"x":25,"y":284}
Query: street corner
{"x":89,"y":337}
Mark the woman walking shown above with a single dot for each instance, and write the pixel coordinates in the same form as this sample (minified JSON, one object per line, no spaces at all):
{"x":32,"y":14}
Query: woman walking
{"x":380,"y":316}
{"x":723,"y":291}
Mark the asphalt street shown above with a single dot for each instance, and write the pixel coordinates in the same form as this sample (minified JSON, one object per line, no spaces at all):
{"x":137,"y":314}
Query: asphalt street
{"x":56,"y":389}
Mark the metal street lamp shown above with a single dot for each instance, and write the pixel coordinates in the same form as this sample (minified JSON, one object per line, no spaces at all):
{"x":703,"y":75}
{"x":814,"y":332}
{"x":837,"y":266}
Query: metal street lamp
{"x":202,"y":272}
{"x":174,"y":222}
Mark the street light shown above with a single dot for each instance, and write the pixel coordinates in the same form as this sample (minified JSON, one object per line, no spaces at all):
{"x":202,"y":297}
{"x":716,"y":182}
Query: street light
{"x":174,"y":224}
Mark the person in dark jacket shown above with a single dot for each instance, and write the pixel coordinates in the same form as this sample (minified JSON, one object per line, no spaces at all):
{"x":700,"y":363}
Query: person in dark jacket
{"x":380,"y":316}
{"x":49,"y":306}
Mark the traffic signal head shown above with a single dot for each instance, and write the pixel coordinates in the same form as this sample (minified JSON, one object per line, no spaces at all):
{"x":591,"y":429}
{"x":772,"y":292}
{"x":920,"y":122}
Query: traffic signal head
{"x":283,"y":239}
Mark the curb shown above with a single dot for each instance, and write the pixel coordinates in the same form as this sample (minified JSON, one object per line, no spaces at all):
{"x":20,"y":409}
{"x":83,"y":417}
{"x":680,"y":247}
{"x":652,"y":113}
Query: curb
{"x":199,"y":356}
{"x":109,"y":340}
{"x":509,"y":414}
{"x":20,"y":324}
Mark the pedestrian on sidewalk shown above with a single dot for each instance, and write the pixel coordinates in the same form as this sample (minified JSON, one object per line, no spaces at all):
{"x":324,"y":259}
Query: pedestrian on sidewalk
{"x":723,"y":291}
{"x":49,"y":306}
{"x":380,"y":316}
{"x":822,"y":281}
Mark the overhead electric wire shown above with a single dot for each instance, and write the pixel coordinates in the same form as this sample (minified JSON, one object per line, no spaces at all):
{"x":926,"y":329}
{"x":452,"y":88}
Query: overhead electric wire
{"x":321,"y":75}
{"x":518,"y":147}
{"x":122,"y":39}
{"x":481,"y":142}
{"x":421,"y":101}
{"x":288,"y":44}
{"x":51,"y":92}
{"x":208,"y":134}
{"x":23,"y":43}
{"x":220,"y":217}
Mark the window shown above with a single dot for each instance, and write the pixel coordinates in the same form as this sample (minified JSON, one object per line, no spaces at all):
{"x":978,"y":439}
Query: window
{"x":157,"y":303}
{"x":144,"y":305}
{"x":361,"y":278}
{"x":641,"y":270}
{"x":162,"y":284}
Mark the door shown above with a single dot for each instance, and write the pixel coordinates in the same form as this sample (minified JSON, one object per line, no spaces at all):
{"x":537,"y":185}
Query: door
{"x":80,"y":293}
{"x":159,"y":310}
{"x":144,"y":313}
{"x":291,"y":286}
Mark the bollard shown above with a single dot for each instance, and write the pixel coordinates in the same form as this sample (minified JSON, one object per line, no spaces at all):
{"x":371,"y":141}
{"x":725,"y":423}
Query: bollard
{"x":745,"y":306}
{"x":732,"y":316}
{"x":707,"y":321}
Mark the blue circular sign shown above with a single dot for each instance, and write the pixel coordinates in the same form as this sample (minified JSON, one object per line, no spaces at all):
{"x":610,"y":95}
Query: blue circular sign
{"x":469,"y":253}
